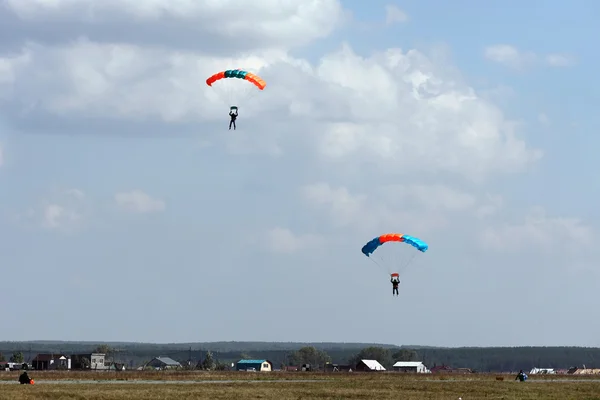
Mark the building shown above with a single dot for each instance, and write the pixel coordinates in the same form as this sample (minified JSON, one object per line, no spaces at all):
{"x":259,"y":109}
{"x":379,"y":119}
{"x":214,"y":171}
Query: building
{"x":411,"y":366}
{"x":51,"y":361}
{"x":369,"y":365}
{"x":254,"y":365}
{"x":542,"y":371}
{"x":583,"y":371}
{"x":163,"y":363}
{"x":7,"y":365}
{"x":329,"y":367}
{"x":93,"y":361}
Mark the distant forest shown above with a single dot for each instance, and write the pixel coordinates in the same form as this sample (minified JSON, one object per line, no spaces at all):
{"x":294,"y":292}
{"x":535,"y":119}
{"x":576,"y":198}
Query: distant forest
{"x":481,"y":359}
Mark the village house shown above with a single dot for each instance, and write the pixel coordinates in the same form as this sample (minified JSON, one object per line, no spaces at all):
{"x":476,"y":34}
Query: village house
{"x":92,"y":361}
{"x":411,"y":366}
{"x":163,"y":363}
{"x":583,"y":371}
{"x":254,"y":365}
{"x":369,"y":365}
{"x":51,"y":361}
{"x":329,"y":367}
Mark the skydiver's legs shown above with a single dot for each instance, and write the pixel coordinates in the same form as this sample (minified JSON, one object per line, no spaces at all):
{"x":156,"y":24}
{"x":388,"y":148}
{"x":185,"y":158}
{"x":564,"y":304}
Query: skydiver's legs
{"x":234,"y":127}
{"x":395,"y":291}
{"x":231,"y":122}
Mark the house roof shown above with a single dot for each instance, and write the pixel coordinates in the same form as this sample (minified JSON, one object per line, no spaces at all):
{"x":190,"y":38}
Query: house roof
{"x":373,"y":365}
{"x":167,"y":360}
{"x":408,"y":364}
{"x":253,"y":361}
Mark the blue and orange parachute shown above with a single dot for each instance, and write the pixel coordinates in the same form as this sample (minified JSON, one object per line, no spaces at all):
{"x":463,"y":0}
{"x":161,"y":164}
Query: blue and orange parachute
{"x":372,"y":245}
{"x":239,"y":74}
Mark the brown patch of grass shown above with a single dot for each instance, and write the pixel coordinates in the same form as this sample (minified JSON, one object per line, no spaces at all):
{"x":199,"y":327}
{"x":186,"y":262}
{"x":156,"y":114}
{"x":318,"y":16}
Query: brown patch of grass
{"x":333,"y":386}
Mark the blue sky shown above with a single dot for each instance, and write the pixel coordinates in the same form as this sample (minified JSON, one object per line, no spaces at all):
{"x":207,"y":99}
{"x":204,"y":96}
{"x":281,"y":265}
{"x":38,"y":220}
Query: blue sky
{"x":124,"y":197}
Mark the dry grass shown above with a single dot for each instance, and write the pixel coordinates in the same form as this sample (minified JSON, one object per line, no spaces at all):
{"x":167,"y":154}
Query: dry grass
{"x":330,"y":386}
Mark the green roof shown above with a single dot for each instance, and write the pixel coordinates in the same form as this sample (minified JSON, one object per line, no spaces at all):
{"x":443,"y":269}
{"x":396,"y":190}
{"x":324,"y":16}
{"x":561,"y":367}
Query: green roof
{"x":251,"y":361}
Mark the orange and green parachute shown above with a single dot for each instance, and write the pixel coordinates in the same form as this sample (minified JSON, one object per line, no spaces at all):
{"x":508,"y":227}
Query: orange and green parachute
{"x":239,"y":74}
{"x":235,"y":87}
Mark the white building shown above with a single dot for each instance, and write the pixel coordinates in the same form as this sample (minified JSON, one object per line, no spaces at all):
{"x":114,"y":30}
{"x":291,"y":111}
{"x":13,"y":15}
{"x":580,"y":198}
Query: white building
{"x":542,"y":371}
{"x":411,"y":366}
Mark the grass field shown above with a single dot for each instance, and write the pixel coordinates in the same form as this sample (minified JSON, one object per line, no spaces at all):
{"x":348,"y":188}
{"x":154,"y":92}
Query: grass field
{"x":279,"y":385}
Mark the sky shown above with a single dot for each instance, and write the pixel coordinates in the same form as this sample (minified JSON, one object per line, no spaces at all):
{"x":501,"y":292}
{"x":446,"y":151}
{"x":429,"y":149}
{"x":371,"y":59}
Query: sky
{"x":130,"y":212}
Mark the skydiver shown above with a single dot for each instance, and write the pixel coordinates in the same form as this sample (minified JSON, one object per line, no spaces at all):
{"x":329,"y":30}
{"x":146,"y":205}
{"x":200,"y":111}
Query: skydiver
{"x":24,"y":378}
{"x":233,"y":118}
{"x":395,"y":282}
{"x":521,"y":376}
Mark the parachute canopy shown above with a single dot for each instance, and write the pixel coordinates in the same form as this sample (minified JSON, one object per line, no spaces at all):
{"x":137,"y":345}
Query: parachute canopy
{"x":372,"y":245}
{"x":239,"y":74}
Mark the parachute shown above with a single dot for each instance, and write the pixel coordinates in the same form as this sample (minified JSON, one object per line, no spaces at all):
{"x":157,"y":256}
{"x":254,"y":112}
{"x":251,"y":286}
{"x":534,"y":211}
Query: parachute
{"x":239,"y":74}
{"x":235,"y":86}
{"x":394,"y":256}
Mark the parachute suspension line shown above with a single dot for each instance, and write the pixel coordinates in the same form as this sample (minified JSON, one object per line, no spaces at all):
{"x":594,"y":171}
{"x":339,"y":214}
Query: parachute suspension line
{"x":404,"y":265}
{"x":235,"y":86}
{"x":379,"y":265}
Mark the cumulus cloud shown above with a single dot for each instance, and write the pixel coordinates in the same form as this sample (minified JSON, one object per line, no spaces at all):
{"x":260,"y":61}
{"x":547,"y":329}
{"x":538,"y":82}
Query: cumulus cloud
{"x":440,"y":123}
{"x":512,"y":57}
{"x":560,"y":60}
{"x":417,"y":207}
{"x":139,"y":202}
{"x":539,"y":230}
{"x":394,"y":15}
{"x":203,"y":25}
{"x":63,"y":211}
{"x":283,"y":240}
{"x":335,"y":109}
{"x":543,"y":119}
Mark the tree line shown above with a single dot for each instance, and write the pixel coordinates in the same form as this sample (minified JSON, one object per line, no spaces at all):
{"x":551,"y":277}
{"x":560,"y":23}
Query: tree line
{"x":222,"y":355}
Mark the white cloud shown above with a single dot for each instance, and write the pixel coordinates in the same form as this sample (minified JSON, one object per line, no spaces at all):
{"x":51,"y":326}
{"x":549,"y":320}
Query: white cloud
{"x":139,"y":202}
{"x":560,"y":60}
{"x":56,"y":216}
{"x":283,"y":240}
{"x":63,"y":211}
{"x":209,"y":24}
{"x":416,"y":207}
{"x":512,"y":57}
{"x":539,"y":231}
{"x":393,"y":15}
{"x":409,"y":114}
